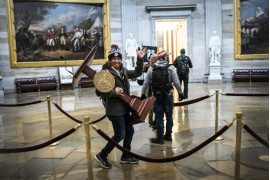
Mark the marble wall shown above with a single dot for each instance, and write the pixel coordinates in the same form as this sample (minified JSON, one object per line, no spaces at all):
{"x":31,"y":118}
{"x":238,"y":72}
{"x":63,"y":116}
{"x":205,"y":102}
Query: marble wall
{"x":196,"y":31}
{"x":197,"y":48}
{"x":229,"y":62}
{"x":6,"y":72}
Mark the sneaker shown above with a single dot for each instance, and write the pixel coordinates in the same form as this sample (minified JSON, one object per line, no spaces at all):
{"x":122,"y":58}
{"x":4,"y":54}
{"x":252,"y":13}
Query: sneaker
{"x":129,"y":160}
{"x":157,"y":141}
{"x":154,"y":127}
{"x":167,"y":138}
{"x":185,"y":100}
{"x":103,"y":161}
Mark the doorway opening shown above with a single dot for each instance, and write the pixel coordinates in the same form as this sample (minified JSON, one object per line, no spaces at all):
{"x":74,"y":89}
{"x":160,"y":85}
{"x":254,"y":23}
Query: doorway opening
{"x":171,"y":35}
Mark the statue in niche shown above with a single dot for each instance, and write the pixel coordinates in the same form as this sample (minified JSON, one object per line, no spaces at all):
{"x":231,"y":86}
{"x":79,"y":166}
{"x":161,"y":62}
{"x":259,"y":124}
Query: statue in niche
{"x":131,"y":47}
{"x":214,"y":49}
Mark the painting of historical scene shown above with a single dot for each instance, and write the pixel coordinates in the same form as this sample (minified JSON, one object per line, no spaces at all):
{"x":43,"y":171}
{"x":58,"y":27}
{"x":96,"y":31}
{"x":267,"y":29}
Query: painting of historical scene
{"x":254,"y":27}
{"x":47,"y":30}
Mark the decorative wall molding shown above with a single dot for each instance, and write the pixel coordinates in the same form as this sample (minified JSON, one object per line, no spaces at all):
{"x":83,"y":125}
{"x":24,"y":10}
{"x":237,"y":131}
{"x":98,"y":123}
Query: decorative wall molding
{"x":171,"y":7}
{"x":172,"y":12}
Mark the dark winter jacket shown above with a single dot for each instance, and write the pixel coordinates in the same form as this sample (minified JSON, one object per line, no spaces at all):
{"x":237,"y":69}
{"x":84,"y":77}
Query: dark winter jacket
{"x":177,"y":63}
{"x":115,"y":106}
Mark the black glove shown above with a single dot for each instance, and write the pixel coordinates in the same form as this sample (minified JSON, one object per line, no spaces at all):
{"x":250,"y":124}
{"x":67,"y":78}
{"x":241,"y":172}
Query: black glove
{"x":181,"y":97}
{"x":143,"y":97}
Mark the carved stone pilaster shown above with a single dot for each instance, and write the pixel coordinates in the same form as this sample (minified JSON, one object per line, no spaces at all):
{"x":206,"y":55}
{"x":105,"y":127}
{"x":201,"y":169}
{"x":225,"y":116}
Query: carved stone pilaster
{"x":1,"y":89}
{"x":213,"y":22}
{"x":129,"y":21}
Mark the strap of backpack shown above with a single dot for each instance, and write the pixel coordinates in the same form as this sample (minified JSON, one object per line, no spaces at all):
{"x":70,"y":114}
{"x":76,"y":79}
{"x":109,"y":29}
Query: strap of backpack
{"x":153,"y":66}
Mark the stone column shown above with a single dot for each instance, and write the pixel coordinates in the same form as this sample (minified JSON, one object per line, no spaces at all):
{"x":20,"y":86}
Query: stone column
{"x":129,"y":22}
{"x":4,"y":51}
{"x":213,"y":23}
{"x":1,"y":88}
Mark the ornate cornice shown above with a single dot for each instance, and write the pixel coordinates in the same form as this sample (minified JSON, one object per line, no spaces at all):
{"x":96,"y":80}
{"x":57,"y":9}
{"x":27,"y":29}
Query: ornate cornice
{"x":170,"y":8}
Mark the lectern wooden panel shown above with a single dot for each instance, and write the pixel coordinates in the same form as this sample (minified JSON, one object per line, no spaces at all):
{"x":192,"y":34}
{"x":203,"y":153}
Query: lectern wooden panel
{"x":84,"y":67}
{"x":138,"y":108}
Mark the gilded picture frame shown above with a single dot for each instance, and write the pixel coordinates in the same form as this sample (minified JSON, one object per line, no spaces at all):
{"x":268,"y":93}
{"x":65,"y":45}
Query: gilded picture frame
{"x":251,"y":29}
{"x":50,"y":50}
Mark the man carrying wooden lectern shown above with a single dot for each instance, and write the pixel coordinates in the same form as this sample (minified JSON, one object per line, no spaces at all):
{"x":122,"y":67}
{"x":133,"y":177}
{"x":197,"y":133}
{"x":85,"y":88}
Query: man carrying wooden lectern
{"x":117,"y":110}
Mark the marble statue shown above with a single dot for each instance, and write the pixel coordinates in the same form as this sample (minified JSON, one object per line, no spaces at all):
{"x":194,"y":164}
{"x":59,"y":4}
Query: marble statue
{"x":131,"y":47}
{"x":214,"y":49}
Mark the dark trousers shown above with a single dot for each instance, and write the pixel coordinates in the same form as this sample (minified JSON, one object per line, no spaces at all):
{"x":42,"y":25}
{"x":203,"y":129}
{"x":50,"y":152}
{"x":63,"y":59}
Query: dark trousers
{"x":184,"y":78}
{"x":122,"y":130}
{"x":160,"y":108}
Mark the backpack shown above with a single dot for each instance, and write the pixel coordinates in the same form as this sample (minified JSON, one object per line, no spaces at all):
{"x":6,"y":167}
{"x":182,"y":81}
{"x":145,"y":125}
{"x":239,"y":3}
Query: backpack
{"x":160,"y":82}
{"x":183,"y":66}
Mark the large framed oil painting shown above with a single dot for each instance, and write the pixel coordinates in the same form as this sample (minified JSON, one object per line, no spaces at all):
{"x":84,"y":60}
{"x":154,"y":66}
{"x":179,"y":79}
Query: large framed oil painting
{"x":57,"y":32}
{"x":251,"y":29}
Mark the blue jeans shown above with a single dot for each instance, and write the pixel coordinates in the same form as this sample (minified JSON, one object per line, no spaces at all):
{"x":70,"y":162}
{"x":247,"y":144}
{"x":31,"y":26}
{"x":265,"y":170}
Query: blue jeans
{"x":160,"y":108}
{"x":185,"y":79}
{"x":122,"y":130}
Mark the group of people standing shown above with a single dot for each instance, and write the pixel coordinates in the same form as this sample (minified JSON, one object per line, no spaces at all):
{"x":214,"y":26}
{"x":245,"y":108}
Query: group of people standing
{"x":118,"y":112}
{"x":80,"y":38}
{"x":53,"y":39}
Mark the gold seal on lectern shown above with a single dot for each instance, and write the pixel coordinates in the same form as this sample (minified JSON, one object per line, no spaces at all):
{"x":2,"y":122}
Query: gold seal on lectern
{"x":104,"y":81}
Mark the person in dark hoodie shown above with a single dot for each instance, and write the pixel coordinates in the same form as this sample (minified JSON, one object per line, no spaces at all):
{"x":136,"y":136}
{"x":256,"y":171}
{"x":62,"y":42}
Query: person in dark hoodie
{"x":116,"y":110}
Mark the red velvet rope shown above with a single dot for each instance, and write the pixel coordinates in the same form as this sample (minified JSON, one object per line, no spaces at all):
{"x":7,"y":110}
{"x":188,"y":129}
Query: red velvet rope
{"x":164,"y":160}
{"x":74,"y":119}
{"x":64,"y":112}
{"x":266,"y":144}
{"x":191,"y":101}
{"x":93,"y":122}
{"x":22,"y":104}
{"x":237,"y":94}
{"x":39,"y":146}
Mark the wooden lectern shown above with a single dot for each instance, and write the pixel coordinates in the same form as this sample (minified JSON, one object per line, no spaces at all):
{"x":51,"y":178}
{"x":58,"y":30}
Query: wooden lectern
{"x":139,"y":108}
{"x":84,"y":67}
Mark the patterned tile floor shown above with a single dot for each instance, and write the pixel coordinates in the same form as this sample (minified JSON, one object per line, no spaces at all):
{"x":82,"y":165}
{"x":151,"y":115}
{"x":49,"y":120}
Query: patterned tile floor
{"x":28,"y":125}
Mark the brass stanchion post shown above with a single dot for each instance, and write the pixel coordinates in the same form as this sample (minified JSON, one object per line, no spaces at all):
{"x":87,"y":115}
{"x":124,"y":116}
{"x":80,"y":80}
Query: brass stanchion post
{"x":238,"y":144}
{"x":216,"y":118}
{"x":50,"y":120}
{"x":49,"y":115}
{"x":88,"y":147}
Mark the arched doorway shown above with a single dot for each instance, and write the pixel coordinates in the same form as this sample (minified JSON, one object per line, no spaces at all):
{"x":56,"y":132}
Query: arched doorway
{"x":171,"y":35}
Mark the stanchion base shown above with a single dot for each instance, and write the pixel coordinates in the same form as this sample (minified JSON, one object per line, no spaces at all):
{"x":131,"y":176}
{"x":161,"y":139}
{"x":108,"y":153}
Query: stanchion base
{"x":55,"y":143}
{"x":219,"y":138}
{"x":264,"y":157}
